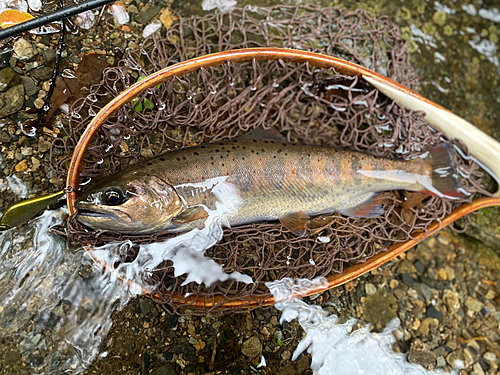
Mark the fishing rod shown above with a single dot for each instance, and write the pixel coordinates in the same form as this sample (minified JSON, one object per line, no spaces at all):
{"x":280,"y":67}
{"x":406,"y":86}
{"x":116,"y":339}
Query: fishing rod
{"x":58,"y":15}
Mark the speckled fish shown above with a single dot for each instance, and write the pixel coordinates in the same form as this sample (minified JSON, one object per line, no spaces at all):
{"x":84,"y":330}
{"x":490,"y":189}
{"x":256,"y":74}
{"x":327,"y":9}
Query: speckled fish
{"x":273,"y":179}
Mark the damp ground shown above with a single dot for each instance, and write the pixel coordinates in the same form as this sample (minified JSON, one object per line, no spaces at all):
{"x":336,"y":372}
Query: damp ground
{"x":445,"y":291}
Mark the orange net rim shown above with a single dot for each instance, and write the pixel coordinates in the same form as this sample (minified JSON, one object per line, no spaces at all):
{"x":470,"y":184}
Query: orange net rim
{"x":241,"y":55}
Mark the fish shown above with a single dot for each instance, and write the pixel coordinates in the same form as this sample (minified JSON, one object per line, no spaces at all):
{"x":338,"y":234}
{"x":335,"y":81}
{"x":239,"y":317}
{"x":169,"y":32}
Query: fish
{"x":273,"y":180}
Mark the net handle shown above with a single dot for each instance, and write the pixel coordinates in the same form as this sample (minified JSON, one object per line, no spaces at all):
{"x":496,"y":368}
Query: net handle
{"x":408,"y":98}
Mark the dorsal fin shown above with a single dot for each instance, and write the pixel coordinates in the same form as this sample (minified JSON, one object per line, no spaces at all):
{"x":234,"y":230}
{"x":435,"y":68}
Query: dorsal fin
{"x":296,"y":222}
{"x":270,"y":134}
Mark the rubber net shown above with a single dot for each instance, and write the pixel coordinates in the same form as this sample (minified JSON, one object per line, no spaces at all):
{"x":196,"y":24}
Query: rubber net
{"x":306,"y":104}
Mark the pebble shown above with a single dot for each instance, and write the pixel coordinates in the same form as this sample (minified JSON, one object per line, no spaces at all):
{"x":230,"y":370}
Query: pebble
{"x":490,"y":294}
{"x":30,"y":88}
{"x":405,"y":266}
{"x":147,"y":13}
{"x":166,"y":18}
{"x":11,"y":101}
{"x":450,"y":298}
{"x":428,"y":325}
{"x":8,"y":78}
{"x":441,"y":362}
{"x":48,"y":55}
{"x":42,"y":74}
{"x":370,"y":289}
{"x":251,"y":347}
{"x":421,"y":354}
{"x":393,"y":284}
{"x":21,"y":167}
{"x":426,"y":292}
{"x":24,"y":50}
{"x":432,"y":312}
{"x":408,"y":280}
{"x":473,"y":304}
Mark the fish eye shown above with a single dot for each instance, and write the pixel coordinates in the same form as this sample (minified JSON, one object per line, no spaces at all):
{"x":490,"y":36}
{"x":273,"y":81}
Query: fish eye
{"x":113,"y":196}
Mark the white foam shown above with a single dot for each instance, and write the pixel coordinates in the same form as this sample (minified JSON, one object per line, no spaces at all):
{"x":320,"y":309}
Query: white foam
{"x":221,"y":5}
{"x":334,"y":348}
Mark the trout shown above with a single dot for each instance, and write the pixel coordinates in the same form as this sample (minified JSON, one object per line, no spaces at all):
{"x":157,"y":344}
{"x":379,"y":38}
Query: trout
{"x":271,"y":179}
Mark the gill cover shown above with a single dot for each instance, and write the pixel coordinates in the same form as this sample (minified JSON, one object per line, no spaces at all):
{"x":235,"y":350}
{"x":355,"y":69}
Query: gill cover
{"x":133,"y":203}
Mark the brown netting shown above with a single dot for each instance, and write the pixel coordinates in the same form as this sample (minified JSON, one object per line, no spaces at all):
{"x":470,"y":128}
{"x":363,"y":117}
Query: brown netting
{"x":306,"y":104}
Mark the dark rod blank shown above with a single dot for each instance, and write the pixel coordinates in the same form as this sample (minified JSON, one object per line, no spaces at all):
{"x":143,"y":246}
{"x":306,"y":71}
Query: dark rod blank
{"x":58,"y":15}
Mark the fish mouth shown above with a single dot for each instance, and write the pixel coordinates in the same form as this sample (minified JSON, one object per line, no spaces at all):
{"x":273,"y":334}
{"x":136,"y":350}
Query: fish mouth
{"x":93,"y":213}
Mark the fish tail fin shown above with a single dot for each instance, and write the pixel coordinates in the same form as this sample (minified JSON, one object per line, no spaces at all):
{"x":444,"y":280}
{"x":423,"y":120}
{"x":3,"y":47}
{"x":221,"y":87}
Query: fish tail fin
{"x":445,"y":182}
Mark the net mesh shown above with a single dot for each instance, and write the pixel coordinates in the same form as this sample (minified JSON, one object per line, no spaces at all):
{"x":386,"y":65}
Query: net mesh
{"x":306,"y":104}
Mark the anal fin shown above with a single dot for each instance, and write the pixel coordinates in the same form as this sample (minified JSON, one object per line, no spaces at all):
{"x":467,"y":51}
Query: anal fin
{"x":296,"y":222}
{"x":369,"y":206}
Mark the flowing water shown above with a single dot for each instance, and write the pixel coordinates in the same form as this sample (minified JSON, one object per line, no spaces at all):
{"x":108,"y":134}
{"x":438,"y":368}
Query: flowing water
{"x":56,"y":305}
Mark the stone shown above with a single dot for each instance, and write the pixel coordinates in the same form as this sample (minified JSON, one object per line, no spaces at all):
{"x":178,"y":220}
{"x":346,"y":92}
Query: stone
{"x":380,"y":308}
{"x":426,"y":292}
{"x":147,"y":13}
{"x":432,"y":312}
{"x":48,"y":55}
{"x":370,"y":289}
{"x":393,"y":284}
{"x":490,"y":294}
{"x":452,"y":358}
{"x":11,"y":101}
{"x":408,"y":279}
{"x":166,"y":369}
{"x":286,"y":355}
{"x":252,"y":347}
{"x":166,"y":18}
{"x":450,"y":298}
{"x":42,"y":74}
{"x":478,"y":370}
{"x":21,"y":167}
{"x":442,"y":274}
{"x":38,"y":103}
{"x":427,"y":326}
{"x":30,"y":88}
{"x":43,"y":146}
{"x":473,"y":304}
{"x":36,"y":164}
{"x":24,"y":50}
{"x":439,"y":18}
{"x":405,"y":266}
{"x":419,"y":266}
{"x":8,"y":78}
{"x":450,"y":272}
{"x":441,"y":362}
{"x":421,"y":354}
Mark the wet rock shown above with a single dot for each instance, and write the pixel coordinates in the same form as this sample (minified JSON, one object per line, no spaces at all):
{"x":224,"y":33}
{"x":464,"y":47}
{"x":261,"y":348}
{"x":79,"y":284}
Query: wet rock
{"x":408,"y":280}
{"x":11,"y":101}
{"x":370,"y":289}
{"x":432,"y":312}
{"x":144,"y":306}
{"x":30,"y":88}
{"x":48,"y":55}
{"x":8,"y":78}
{"x":473,"y":304}
{"x":419,"y":266}
{"x":252,"y":347}
{"x":451,"y":300}
{"x":441,"y":362}
{"x":147,"y":13}
{"x":380,"y":308}
{"x":405,"y":266}
{"x":426,"y":292}
{"x":166,"y":369}
{"x":421,"y":354}
{"x":42,"y":74}
{"x":171,"y":320}
{"x":21,"y":167}
{"x":427,"y":326}
{"x":4,"y":137}
{"x":24,"y":50}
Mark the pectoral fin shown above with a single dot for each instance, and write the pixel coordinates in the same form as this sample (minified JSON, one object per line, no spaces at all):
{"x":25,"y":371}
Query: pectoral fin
{"x":364,"y":206}
{"x":189,"y":215}
{"x":296,"y":223}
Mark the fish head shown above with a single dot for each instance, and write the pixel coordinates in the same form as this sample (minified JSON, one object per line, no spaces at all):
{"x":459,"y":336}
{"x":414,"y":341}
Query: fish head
{"x":132,"y":203}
